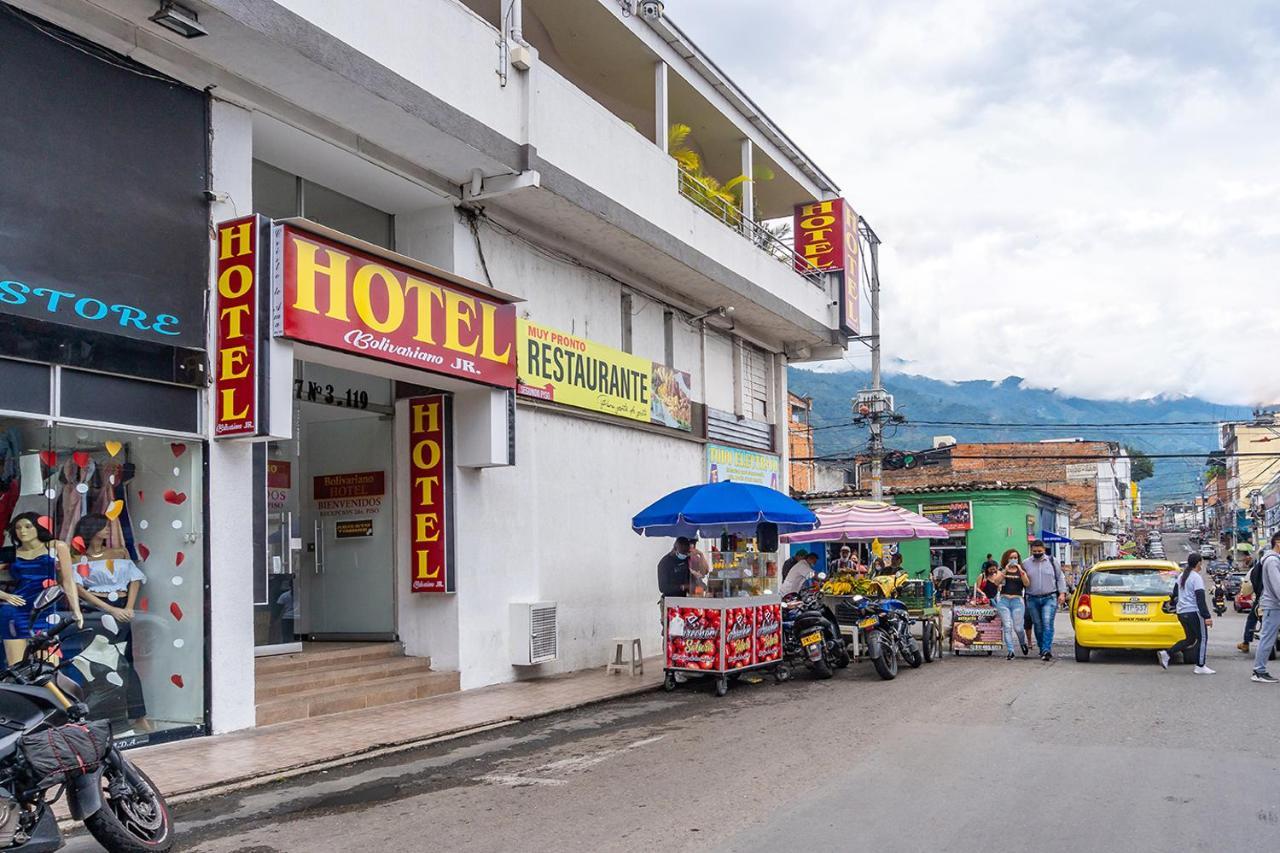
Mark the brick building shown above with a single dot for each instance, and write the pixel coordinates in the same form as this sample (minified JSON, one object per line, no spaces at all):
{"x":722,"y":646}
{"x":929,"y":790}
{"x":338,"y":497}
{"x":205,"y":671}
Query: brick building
{"x":800,"y":443}
{"x":1097,"y":486}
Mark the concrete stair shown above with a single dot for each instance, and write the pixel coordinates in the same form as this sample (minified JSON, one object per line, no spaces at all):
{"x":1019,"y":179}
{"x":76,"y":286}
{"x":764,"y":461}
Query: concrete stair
{"x":327,"y":678}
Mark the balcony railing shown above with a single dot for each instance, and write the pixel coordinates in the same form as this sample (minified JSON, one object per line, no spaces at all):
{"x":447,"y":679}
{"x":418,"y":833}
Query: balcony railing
{"x":734,"y":217}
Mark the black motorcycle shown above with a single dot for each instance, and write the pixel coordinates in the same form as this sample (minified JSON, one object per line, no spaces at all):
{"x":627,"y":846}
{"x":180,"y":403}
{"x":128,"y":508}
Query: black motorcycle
{"x":1219,"y":599}
{"x":49,"y":747}
{"x":884,"y":630}
{"x":810,"y":634}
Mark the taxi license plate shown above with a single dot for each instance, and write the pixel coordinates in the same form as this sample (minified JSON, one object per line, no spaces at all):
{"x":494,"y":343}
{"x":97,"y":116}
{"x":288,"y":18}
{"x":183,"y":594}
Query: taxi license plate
{"x":809,"y":639}
{"x":869,"y":622}
{"x":1132,"y":608}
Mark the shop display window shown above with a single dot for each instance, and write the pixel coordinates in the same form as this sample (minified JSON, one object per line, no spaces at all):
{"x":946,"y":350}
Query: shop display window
{"x":130,"y":508}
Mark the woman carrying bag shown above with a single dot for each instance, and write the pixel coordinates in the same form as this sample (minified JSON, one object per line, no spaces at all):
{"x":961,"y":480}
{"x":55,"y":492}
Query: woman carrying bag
{"x":1193,"y":613}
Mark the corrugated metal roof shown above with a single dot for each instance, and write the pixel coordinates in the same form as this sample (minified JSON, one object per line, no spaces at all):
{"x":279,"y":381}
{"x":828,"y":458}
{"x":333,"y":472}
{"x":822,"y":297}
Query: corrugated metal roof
{"x":846,"y":493}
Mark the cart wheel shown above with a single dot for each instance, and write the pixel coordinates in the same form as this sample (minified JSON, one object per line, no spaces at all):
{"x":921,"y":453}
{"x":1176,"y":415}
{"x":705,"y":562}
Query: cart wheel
{"x":782,"y":673}
{"x":929,"y":643}
{"x":669,"y":683}
{"x":722,"y":686}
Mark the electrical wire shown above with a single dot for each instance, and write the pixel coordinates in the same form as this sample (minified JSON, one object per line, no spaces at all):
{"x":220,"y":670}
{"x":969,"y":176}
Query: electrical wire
{"x":89,"y":49}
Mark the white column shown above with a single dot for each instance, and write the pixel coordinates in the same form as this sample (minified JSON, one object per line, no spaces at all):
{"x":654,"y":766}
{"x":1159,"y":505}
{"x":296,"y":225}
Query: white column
{"x":748,"y":188}
{"x":661,"y":117}
{"x":230,"y":510}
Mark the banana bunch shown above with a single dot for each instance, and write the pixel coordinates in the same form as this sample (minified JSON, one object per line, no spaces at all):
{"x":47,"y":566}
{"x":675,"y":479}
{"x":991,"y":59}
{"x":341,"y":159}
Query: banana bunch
{"x":837,"y":587}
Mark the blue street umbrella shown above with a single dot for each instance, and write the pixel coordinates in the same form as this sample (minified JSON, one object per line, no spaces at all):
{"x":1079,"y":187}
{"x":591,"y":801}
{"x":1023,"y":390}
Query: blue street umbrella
{"x":724,"y":507}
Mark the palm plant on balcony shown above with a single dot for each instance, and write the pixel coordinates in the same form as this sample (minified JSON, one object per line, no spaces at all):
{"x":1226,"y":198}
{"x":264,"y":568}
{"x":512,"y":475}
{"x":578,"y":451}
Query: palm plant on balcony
{"x":721,"y":200}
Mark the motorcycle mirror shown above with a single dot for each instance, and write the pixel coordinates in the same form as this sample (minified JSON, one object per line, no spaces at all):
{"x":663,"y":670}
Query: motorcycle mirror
{"x":822,"y":576}
{"x":857,"y":598}
{"x":47,"y":597}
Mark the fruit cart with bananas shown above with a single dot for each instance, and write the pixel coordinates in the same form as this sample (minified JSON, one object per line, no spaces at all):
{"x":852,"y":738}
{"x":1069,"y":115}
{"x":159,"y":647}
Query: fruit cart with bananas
{"x":869,"y":521}
{"x":732,"y":622}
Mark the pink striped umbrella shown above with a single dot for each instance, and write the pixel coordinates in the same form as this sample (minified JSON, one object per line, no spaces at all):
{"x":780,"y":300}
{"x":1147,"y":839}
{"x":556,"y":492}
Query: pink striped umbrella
{"x":866,"y":520}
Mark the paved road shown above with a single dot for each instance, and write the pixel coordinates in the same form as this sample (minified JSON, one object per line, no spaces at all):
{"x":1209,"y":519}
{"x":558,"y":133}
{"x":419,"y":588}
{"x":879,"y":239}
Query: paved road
{"x":965,"y":754}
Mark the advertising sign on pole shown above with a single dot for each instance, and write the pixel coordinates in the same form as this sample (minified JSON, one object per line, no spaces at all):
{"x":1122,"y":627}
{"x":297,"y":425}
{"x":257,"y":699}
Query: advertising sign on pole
{"x":562,"y":368}
{"x":235,"y":375}
{"x":344,"y":298}
{"x":826,"y":238}
{"x":428,"y":504}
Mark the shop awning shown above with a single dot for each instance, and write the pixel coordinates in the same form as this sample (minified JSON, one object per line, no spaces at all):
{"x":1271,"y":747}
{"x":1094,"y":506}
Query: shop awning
{"x":1051,"y":538}
{"x":1085,"y":536}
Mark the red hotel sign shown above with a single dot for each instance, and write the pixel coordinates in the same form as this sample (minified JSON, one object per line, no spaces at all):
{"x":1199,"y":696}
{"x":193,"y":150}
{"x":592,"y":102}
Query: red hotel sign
{"x":428,"y":534}
{"x":235,"y":377}
{"x":826,"y":237}
{"x":340,"y":297}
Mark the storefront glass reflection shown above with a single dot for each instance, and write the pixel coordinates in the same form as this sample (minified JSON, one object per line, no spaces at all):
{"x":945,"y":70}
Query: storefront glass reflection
{"x":129,"y":507}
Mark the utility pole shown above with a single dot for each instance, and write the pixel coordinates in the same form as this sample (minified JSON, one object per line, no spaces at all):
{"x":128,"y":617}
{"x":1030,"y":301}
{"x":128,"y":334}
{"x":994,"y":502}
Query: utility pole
{"x":873,"y":405}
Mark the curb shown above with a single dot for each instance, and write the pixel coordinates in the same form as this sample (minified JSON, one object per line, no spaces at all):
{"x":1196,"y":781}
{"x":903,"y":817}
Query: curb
{"x":204,"y":792}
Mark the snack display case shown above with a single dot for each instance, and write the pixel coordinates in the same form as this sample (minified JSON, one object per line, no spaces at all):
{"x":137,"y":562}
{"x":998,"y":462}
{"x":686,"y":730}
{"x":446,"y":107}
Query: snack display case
{"x":732,"y":625}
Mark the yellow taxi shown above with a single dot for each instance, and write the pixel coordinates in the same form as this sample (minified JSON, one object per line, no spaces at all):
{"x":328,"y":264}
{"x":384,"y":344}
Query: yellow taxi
{"x":1117,"y":605}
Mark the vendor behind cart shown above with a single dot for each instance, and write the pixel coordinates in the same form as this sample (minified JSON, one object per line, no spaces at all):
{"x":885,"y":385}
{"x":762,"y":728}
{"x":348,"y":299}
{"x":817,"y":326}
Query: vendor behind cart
{"x":800,"y":576}
{"x":679,"y":567}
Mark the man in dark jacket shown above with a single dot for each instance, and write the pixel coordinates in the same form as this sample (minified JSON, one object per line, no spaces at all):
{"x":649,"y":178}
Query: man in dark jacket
{"x":678,"y":568}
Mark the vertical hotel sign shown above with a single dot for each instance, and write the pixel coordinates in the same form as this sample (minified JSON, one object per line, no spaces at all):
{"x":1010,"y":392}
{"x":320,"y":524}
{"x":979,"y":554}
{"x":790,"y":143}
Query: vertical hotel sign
{"x":429,"y":541}
{"x":235,"y":378}
{"x":826,"y":238}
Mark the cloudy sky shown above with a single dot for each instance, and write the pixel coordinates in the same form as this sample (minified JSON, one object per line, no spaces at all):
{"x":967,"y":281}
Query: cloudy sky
{"x":1085,"y":194}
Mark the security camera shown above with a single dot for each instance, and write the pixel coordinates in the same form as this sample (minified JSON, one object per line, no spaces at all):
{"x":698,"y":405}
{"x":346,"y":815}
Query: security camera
{"x":651,"y":10}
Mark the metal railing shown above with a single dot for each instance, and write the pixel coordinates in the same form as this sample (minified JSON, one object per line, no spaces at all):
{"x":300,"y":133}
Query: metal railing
{"x":731,"y":215}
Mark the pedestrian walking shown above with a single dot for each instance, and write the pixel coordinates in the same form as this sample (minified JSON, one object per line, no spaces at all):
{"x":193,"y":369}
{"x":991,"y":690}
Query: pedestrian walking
{"x":1046,"y":591}
{"x":1269,"y":608}
{"x":989,"y":584}
{"x":1009,"y":600}
{"x":1246,"y":588}
{"x":1193,"y":613}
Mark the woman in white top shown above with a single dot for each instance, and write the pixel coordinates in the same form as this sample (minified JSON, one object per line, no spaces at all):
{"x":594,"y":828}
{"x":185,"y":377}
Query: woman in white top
{"x":1193,"y":613}
{"x":109,"y":583}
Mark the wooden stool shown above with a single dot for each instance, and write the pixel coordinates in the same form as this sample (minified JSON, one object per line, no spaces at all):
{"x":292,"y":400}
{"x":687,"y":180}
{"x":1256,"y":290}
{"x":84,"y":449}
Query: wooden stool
{"x":633,"y":667}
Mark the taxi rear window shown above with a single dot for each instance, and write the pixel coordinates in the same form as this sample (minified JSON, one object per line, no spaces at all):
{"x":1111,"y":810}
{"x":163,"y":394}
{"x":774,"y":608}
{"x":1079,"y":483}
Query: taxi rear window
{"x":1131,"y":582}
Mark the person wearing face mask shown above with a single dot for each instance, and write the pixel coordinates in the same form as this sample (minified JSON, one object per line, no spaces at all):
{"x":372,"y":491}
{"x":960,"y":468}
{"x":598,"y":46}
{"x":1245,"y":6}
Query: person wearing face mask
{"x":1046,"y":591}
{"x":679,"y":567}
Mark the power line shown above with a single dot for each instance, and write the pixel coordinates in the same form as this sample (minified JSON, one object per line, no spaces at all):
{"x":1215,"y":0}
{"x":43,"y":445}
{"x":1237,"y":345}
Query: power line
{"x":1082,"y":457}
{"x":1065,"y":424}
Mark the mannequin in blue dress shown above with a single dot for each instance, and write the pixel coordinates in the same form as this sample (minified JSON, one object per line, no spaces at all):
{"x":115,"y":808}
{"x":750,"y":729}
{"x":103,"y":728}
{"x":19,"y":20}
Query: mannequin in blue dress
{"x":39,"y":560}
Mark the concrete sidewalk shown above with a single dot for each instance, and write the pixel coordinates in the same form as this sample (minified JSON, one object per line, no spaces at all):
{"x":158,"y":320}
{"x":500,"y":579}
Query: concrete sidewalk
{"x":192,"y":769}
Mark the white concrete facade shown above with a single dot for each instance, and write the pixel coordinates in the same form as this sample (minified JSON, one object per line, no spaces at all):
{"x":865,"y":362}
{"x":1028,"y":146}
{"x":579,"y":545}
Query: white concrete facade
{"x":398,"y":106}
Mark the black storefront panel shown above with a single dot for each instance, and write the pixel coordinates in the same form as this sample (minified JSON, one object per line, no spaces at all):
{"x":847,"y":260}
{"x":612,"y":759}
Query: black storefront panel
{"x":103,"y":222}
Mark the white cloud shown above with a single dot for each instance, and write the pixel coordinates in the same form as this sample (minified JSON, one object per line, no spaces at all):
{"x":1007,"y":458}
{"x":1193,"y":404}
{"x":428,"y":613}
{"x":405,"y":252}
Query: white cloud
{"x":1083,"y":194}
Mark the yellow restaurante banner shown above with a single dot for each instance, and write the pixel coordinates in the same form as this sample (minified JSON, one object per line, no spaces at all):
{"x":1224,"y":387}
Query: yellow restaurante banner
{"x":563,"y":368}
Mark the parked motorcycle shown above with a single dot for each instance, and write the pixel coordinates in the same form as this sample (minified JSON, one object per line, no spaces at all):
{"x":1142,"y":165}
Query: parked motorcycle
{"x":884,"y":630}
{"x":44,"y":730}
{"x":810,"y":634}
{"x":1219,"y":599}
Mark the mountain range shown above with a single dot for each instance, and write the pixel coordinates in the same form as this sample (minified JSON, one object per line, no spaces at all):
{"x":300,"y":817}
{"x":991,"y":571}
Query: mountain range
{"x":934,"y":407}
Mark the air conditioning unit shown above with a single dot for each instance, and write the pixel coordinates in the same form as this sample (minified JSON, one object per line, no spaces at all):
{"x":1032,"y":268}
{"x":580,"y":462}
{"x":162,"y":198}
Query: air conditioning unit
{"x":534,"y":635}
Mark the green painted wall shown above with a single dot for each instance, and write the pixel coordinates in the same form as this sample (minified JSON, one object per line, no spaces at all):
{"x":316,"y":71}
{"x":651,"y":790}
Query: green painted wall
{"x":999,"y":523}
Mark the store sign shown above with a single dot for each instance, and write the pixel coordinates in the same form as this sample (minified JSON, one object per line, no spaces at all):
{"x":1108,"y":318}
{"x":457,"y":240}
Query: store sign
{"x":768,"y":627}
{"x":1082,"y":471}
{"x":826,"y":238}
{"x":103,"y":232}
{"x":235,"y":375}
{"x":563,"y":368}
{"x":340,"y":297}
{"x":360,"y":493}
{"x":279,"y":474}
{"x":957,"y":515}
{"x":356,"y":529}
{"x":1031,"y":528}
{"x":976,"y":629}
{"x":428,"y":531}
{"x":743,"y":466}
